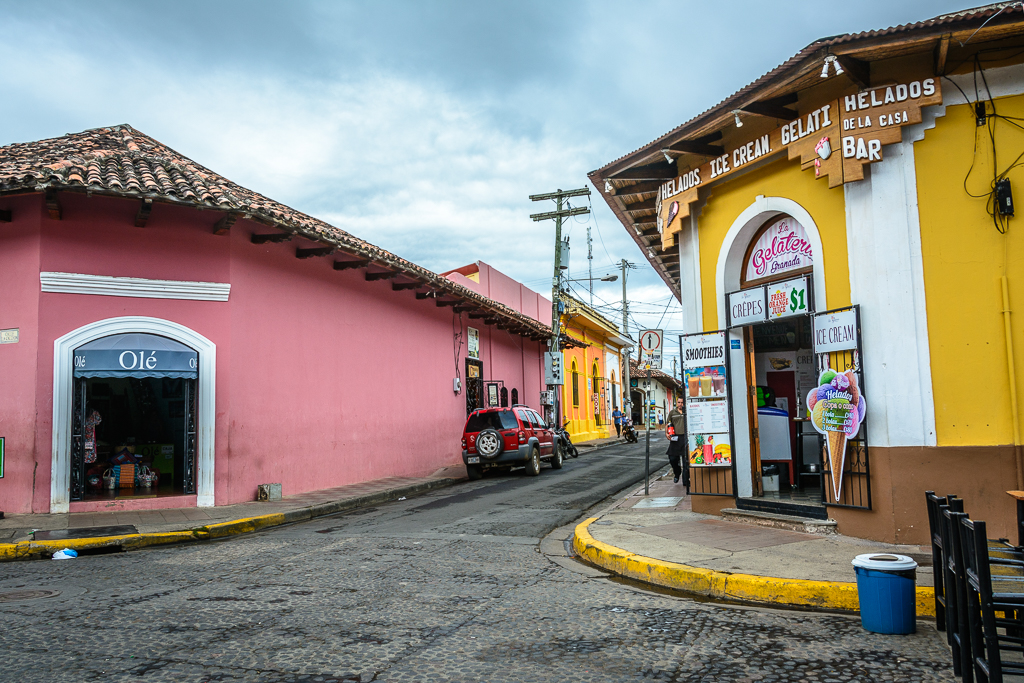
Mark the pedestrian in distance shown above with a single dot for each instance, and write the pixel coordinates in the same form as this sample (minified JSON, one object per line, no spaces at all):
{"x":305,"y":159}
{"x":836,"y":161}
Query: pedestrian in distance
{"x":677,"y":445}
{"x":617,"y":415}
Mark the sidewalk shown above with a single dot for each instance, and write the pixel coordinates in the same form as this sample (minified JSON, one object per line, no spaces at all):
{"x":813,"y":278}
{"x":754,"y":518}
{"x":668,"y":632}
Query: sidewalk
{"x":37,"y":536}
{"x":675,"y":548}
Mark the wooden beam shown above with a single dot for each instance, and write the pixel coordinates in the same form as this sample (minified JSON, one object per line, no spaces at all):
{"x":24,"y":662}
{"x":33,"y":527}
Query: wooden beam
{"x":423,"y":295}
{"x":399,"y":286}
{"x":5,"y":216}
{"x":386,"y":275}
{"x":223,"y":226}
{"x":478,"y":315}
{"x":53,"y":205}
{"x":441,"y":303}
{"x":941,"y":51}
{"x":651,"y":172}
{"x":694,"y":147}
{"x":315,"y":251}
{"x":274,"y":237}
{"x":856,"y":70}
{"x":464,"y":309}
{"x":357,"y":263}
{"x":490,"y":321}
{"x":644,"y":205}
{"x":770,"y":110}
{"x":638,"y":188}
{"x":649,"y":233}
{"x":142,"y":217}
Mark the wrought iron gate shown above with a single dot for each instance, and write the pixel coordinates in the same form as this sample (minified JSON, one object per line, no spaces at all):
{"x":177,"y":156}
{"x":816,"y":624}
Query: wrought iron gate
{"x":76,"y":483}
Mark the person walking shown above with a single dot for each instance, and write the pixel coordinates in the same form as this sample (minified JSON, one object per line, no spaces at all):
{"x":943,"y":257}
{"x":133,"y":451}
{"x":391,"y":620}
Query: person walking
{"x":618,"y":415}
{"x":677,"y":445}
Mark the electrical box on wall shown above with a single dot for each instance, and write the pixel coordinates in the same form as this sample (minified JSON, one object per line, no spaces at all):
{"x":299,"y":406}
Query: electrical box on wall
{"x":456,"y":385}
{"x":547,"y":398}
{"x":1004,"y":197}
{"x":552,"y":368}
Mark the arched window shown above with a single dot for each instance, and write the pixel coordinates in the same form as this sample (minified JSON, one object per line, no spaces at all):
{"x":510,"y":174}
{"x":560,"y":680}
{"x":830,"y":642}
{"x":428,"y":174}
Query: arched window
{"x":595,"y":379}
{"x":504,"y":397}
{"x":515,"y":396}
{"x":575,"y":385}
{"x":614,"y":391}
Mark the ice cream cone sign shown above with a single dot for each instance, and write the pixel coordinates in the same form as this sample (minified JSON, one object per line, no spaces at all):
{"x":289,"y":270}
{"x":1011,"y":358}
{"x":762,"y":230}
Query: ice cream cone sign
{"x":837,"y":409}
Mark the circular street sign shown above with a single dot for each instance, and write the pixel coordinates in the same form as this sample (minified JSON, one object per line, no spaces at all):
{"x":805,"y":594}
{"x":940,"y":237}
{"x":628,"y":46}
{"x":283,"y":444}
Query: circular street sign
{"x":650,"y":340}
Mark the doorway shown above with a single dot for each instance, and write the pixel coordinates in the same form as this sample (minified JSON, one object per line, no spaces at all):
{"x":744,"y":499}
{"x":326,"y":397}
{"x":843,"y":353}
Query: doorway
{"x":781,"y":372}
{"x":133,"y":418}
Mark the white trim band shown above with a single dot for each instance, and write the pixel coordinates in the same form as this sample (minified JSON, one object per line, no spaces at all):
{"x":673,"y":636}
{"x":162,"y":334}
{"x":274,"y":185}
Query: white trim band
{"x":106,"y":285}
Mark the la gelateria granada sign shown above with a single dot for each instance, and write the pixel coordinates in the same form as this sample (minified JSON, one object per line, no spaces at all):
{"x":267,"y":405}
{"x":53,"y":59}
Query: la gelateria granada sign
{"x":835,"y":139}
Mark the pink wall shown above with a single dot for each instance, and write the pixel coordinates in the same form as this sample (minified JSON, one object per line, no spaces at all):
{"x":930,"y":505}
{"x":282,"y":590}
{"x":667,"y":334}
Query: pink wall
{"x":19,"y":301}
{"x":323,"y":378}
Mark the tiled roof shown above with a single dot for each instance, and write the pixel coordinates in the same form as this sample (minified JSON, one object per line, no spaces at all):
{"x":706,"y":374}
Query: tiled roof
{"x":121,"y":161}
{"x":636,"y":371}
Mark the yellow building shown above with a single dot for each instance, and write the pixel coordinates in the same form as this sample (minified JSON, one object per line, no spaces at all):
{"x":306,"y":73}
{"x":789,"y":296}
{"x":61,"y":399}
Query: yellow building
{"x":838,"y":235}
{"x":593,"y":371}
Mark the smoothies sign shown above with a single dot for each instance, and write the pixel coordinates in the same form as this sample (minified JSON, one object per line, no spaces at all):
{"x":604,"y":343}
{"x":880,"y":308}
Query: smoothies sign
{"x":706,"y":394}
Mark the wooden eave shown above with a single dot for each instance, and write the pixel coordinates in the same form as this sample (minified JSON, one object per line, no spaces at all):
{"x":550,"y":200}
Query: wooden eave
{"x":799,"y":74}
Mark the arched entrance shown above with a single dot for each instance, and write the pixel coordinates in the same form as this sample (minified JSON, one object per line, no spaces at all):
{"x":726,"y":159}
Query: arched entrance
{"x":64,"y":383}
{"x":773,"y":242}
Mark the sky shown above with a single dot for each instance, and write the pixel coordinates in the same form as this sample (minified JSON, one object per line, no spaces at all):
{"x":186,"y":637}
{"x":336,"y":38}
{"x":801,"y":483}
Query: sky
{"x":421,"y":126}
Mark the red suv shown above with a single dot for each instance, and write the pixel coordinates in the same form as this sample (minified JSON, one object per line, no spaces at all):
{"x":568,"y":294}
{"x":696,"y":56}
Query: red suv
{"x":504,"y":437}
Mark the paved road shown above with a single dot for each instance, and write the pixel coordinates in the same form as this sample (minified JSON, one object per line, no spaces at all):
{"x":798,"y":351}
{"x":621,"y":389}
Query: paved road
{"x":450,"y":586}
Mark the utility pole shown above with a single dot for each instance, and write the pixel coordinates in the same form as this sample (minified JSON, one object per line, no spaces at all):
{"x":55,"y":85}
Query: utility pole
{"x":590,"y":264}
{"x":556,"y":281}
{"x":628,"y":398}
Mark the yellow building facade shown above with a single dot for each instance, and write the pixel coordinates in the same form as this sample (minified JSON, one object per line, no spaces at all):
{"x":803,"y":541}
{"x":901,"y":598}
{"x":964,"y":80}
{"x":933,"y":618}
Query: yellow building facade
{"x":877,"y":193}
{"x":593,"y":372}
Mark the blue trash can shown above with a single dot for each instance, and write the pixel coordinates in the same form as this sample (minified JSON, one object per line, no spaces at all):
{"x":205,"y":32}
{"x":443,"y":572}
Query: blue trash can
{"x":886,"y":587}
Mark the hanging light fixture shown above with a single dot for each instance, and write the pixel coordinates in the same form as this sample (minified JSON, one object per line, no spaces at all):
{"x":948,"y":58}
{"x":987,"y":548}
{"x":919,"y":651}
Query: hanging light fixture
{"x":834,"y":61}
{"x":608,"y":186}
{"x":736,"y":118}
{"x":668,"y":157}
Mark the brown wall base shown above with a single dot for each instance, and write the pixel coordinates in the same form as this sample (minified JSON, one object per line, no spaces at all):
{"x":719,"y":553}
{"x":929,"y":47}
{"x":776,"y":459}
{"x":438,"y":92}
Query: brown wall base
{"x":711,"y":505}
{"x":980,"y":475}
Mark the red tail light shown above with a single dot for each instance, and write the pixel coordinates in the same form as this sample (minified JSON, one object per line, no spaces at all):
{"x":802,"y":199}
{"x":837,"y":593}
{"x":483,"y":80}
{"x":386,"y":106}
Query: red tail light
{"x":463,"y":442}
{"x":522,"y":437}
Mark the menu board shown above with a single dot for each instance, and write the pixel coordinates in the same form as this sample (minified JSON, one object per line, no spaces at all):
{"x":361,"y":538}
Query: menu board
{"x":707,"y":416}
{"x":707,"y":406}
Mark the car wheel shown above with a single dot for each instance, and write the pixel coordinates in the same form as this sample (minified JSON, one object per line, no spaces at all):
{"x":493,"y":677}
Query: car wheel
{"x":489,"y":444}
{"x":474,"y":472}
{"x":556,"y":457}
{"x":533,"y":464}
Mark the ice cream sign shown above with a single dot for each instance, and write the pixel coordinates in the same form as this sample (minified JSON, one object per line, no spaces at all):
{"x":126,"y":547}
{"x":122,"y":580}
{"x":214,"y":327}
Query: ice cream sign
{"x":837,"y":410}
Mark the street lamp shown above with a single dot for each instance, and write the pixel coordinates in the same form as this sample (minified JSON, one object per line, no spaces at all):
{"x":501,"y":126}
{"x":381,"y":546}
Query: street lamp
{"x":606,"y":278}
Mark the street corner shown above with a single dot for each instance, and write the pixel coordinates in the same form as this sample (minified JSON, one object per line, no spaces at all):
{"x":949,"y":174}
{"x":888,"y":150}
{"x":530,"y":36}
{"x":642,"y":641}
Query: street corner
{"x":727,"y":586}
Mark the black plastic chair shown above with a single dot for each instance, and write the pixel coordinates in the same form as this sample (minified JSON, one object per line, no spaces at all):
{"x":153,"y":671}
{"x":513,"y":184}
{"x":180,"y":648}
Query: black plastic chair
{"x":935,"y":503}
{"x":985,"y":598}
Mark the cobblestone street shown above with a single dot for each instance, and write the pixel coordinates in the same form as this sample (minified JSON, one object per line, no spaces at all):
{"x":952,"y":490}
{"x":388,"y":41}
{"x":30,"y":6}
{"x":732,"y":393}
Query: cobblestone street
{"x":448,"y":586}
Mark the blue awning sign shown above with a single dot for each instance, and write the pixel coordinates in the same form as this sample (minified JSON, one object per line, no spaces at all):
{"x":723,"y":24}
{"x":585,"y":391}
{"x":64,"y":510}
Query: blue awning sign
{"x":135,"y":355}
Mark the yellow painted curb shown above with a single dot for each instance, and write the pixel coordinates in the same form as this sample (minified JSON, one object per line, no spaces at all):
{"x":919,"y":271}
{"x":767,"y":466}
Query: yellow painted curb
{"x":34,"y":549}
{"x":762,"y":590}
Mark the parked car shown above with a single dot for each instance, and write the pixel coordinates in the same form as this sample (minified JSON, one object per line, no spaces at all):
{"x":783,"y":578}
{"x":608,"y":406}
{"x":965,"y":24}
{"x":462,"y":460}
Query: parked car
{"x":507,"y":437}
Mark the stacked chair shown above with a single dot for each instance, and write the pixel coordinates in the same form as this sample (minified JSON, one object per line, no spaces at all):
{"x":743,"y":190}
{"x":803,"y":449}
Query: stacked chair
{"x":979,"y":593}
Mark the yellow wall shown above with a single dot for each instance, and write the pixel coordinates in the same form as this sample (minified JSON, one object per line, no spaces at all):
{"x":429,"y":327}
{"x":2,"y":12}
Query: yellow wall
{"x":582,"y":425}
{"x":964,"y":256}
{"x":782,"y":178}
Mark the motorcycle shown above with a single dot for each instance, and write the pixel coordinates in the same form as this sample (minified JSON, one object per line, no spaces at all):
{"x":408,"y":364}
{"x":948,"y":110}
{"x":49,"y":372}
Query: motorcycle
{"x":565,"y":443}
{"x":628,"y":432}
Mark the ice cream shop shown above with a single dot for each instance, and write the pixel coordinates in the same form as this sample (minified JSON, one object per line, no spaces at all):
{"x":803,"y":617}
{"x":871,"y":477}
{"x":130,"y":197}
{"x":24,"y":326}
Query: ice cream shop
{"x":840,"y":235}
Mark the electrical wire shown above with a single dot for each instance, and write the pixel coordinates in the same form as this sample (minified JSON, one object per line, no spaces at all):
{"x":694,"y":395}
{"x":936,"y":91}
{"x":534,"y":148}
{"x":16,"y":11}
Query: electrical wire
{"x":457,"y":343}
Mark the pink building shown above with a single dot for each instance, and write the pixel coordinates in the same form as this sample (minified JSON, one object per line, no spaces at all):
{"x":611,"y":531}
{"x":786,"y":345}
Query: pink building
{"x":153,"y":313}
